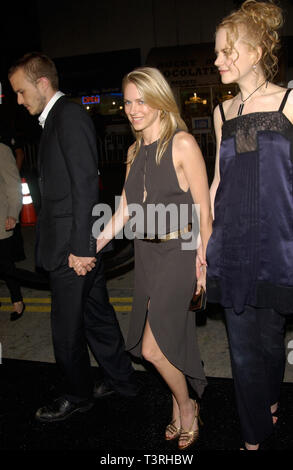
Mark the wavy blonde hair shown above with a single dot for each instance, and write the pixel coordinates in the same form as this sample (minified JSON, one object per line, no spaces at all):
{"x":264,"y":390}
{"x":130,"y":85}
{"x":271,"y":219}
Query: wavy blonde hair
{"x":261,"y":21}
{"x":156,"y":92}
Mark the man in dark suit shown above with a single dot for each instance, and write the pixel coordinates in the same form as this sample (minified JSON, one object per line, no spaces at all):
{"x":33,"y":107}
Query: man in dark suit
{"x":81,"y":312}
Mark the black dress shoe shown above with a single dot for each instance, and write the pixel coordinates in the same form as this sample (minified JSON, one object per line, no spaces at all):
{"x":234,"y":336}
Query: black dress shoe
{"x":61,"y":409}
{"x":15,"y":315}
{"x":128,"y":389}
{"x":102,"y":389}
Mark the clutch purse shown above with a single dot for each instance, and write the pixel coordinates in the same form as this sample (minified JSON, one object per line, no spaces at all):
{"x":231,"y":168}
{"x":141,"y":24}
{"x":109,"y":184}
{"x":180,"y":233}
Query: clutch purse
{"x":198,"y":301}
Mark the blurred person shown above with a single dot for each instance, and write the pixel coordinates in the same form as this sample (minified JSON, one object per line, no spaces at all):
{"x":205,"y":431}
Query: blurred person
{"x":164,"y":166}
{"x":10,"y":206}
{"x":81,"y":314}
{"x":18,"y":153}
{"x":17,"y":239}
{"x":8,"y":137}
{"x":250,"y":252}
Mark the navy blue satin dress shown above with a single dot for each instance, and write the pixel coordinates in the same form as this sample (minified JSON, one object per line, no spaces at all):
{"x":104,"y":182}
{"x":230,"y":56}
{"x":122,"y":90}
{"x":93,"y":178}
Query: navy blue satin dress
{"x":250,"y":252}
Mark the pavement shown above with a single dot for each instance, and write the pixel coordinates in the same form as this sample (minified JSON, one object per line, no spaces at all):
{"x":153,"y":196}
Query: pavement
{"x":29,"y":338}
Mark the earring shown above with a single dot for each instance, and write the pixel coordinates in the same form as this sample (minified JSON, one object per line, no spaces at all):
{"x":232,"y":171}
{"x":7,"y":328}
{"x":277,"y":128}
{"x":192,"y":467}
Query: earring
{"x":254,"y":67}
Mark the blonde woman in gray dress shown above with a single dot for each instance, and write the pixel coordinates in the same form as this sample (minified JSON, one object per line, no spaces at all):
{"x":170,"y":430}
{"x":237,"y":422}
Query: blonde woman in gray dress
{"x":164,"y":166}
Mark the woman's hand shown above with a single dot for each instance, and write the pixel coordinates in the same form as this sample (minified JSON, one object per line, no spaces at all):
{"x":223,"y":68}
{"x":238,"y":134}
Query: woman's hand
{"x":201,"y":279}
{"x":201,"y":269}
{"x":200,"y":260}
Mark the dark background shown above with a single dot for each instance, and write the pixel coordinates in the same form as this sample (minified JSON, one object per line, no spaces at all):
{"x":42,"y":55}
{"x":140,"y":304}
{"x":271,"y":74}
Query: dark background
{"x":95,"y":42}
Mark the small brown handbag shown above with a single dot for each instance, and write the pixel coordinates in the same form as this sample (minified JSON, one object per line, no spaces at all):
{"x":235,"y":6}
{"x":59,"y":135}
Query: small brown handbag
{"x":198,"y":301}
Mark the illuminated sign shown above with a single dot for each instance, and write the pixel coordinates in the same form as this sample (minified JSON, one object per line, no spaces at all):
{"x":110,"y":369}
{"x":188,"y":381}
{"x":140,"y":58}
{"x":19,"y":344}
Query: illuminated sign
{"x":94,"y":99}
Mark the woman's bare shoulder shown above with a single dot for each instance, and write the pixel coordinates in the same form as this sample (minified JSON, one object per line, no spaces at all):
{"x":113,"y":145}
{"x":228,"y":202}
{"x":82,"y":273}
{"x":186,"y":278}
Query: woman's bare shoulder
{"x":227,"y":104}
{"x":183,"y":140}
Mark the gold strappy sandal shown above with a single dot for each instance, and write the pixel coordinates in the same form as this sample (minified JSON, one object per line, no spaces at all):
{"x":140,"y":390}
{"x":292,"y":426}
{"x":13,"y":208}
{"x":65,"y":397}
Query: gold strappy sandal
{"x":173,"y":430}
{"x":187,"y":438}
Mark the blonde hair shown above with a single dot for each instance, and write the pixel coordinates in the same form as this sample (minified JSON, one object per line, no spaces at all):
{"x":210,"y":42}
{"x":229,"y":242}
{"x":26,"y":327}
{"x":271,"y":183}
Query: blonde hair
{"x":156,"y":92}
{"x":261,"y":21}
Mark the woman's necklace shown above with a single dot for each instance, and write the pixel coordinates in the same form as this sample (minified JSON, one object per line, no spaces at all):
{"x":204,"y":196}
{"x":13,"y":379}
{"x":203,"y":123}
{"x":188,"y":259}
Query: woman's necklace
{"x":241,"y":106}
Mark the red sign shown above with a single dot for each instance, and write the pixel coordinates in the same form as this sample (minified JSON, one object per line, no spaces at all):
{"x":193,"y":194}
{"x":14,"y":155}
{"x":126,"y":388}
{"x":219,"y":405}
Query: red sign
{"x":94,"y":99}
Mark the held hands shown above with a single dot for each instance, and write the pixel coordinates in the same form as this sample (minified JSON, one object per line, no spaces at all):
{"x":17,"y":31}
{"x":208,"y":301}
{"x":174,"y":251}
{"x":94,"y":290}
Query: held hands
{"x":81,"y":264}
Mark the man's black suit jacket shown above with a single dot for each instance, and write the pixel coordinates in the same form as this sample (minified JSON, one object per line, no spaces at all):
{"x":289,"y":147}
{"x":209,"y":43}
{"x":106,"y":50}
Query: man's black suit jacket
{"x":68,"y":171}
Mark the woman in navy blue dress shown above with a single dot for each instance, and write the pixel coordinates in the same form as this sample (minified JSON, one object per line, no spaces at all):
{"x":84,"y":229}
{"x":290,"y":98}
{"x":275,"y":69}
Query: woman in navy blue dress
{"x":250,"y":253}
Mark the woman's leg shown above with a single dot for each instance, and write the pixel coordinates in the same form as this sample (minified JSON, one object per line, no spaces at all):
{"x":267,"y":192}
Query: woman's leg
{"x":272,"y":327}
{"x":8,"y":274}
{"x":252,"y":336}
{"x":183,"y":406}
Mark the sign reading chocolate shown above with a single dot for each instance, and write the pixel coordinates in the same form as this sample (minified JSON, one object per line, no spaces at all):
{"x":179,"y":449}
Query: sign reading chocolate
{"x":186,"y":65}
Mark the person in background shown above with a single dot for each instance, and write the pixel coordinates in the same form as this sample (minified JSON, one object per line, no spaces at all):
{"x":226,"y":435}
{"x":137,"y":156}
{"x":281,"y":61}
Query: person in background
{"x":250,"y":252}
{"x":8,"y":137}
{"x":10,"y":206}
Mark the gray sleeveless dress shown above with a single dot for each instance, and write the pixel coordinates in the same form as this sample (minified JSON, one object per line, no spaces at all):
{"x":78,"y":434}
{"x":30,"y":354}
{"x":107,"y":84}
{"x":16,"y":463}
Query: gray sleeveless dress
{"x":164,"y":273}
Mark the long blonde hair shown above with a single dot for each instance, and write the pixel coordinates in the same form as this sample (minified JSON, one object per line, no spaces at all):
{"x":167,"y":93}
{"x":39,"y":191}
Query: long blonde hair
{"x":156,"y":92}
{"x":261,"y":21}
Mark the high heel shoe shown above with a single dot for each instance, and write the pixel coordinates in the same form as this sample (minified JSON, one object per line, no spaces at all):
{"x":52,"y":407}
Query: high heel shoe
{"x":173,"y":430}
{"x":15,"y":315}
{"x":189,"y":437}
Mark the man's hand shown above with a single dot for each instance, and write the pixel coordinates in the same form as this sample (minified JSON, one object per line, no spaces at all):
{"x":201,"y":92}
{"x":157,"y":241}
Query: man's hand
{"x":81,"y":264}
{"x":10,"y":223}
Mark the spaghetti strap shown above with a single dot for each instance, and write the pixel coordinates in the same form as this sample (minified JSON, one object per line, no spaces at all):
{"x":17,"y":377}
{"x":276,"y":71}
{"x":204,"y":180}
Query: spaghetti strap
{"x":222,"y":112}
{"x":284,"y":100}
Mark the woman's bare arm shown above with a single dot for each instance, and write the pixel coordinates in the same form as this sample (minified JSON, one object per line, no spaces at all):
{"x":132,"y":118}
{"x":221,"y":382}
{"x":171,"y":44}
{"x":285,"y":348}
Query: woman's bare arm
{"x":188,"y":158}
{"x":216,"y":180}
{"x":118,"y":220}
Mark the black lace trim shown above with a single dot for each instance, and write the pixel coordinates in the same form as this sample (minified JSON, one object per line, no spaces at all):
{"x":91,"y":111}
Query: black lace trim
{"x":245,"y":128}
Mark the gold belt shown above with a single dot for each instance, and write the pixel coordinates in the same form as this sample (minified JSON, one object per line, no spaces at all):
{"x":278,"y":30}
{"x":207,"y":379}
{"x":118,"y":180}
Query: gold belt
{"x":168,"y":236}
